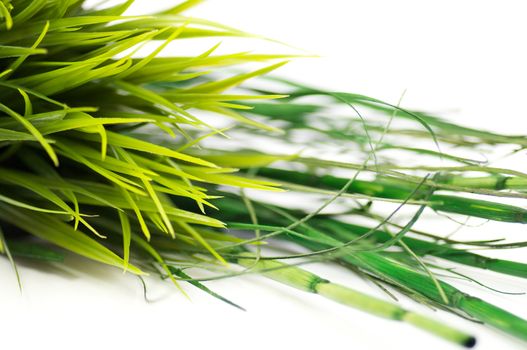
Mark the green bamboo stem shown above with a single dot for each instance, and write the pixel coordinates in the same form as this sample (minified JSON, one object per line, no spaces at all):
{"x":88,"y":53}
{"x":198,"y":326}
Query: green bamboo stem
{"x":487,"y":182}
{"x":383,"y":189}
{"x":346,"y":232}
{"x":306,"y":281}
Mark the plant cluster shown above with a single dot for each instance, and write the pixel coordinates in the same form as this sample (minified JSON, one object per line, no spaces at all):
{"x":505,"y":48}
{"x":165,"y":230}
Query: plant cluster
{"x":108,"y":154}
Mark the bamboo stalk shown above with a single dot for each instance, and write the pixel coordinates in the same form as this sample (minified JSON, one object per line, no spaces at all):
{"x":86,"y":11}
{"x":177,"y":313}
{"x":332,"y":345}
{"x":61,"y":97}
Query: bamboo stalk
{"x":491,"y":182}
{"x":445,"y":203}
{"x":309,"y":282}
{"x":346,"y":232}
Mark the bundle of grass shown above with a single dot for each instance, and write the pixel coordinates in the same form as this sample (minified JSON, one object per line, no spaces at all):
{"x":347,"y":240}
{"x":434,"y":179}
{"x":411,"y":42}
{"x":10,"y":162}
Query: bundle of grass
{"x":104,"y":154}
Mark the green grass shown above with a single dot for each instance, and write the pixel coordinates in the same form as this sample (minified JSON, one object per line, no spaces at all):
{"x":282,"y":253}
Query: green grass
{"x":108,"y":154}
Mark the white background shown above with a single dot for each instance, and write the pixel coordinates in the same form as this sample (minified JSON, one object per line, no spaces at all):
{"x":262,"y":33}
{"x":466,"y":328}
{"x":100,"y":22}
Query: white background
{"x":466,"y":59}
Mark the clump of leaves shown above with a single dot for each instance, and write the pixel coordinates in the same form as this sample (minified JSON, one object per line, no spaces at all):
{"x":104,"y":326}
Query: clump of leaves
{"x":66,"y":94}
{"x":108,"y":155}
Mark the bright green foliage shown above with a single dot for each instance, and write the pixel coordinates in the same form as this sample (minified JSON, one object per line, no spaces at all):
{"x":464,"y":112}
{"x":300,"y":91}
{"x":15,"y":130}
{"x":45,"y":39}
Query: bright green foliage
{"x":108,"y":154}
{"x":65,"y":94}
